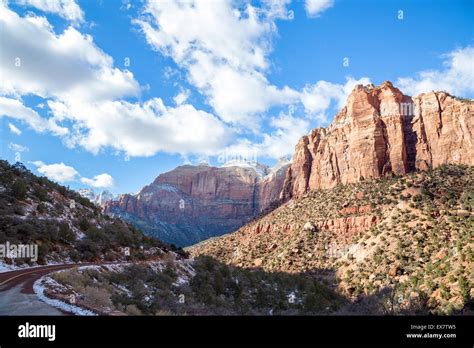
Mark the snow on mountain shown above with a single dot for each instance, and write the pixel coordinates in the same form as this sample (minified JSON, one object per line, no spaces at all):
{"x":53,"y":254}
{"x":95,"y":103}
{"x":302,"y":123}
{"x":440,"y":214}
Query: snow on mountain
{"x":283,"y":162}
{"x":259,"y":168}
{"x":87,"y":193}
{"x":103,"y":197}
{"x":98,"y":199}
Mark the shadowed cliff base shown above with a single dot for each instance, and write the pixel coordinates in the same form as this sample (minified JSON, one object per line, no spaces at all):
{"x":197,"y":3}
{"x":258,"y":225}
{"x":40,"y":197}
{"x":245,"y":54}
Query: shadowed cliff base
{"x":213,"y":288}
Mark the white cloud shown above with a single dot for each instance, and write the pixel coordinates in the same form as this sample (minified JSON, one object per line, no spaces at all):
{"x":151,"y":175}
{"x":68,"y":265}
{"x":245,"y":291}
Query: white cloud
{"x":15,"y":109}
{"x":456,"y":78}
{"x":35,"y":60}
{"x":67,"y":9}
{"x":99,"y":181}
{"x":223,"y":50}
{"x":181,"y":97}
{"x":143,"y":129}
{"x":288,"y":130}
{"x":63,"y":173}
{"x":58,"y":171}
{"x":81,"y":85}
{"x":17,"y":147}
{"x":277,"y":8}
{"x":126,"y":5}
{"x":14,"y":129}
{"x":315,"y":7}
{"x":317,"y":98}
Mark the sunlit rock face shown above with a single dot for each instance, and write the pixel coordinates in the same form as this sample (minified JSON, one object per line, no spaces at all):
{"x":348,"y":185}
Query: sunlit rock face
{"x":192,"y":203}
{"x":381,"y":132}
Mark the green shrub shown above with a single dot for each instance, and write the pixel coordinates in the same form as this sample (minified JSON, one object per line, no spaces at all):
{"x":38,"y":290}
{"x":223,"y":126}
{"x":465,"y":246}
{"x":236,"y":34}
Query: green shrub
{"x":19,"y":189}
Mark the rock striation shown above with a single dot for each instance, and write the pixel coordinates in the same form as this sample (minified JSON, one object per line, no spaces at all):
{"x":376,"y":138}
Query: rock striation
{"x":382,"y":132}
{"x":192,"y":203}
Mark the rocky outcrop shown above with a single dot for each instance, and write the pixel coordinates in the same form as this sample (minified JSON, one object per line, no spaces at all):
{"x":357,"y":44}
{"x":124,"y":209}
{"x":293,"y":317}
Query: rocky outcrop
{"x":192,"y":203}
{"x":382,"y":132}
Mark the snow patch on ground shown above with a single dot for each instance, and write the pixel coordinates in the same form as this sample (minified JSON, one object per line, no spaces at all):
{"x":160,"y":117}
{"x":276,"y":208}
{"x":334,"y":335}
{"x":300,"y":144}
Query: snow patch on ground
{"x":4,"y":267}
{"x":39,"y":287}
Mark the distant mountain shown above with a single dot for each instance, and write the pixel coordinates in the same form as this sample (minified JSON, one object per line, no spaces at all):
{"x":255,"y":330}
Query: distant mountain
{"x":87,"y":193}
{"x":259,"y":168}
{"x":70,"y":228}
{"x":193,"y":203}
{"x":104,"y":197}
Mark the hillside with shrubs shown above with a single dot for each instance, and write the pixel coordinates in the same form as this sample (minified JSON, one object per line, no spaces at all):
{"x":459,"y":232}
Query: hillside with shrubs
{"x":192,"y":287}
{"x":392,"y":246}
{"x":66,"y":226}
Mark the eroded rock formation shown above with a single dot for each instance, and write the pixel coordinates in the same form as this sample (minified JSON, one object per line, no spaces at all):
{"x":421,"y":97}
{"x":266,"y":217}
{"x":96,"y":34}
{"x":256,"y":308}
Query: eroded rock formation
{"x":379,"y":132}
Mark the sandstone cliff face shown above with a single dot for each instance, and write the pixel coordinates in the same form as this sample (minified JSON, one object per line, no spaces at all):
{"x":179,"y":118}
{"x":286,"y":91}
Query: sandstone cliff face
{"x":192,"y":203}
{"x":379,"y":132}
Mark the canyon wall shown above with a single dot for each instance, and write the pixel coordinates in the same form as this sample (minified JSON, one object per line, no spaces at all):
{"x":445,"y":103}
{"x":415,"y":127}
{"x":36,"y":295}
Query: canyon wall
{"x":381,"y":132}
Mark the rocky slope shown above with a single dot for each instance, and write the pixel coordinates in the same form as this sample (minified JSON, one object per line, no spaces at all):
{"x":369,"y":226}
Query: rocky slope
{"x":150,"y":279}
{"x":192,"y":203}
{"x":405,"y":239}
{"x":65,"y":226}
{"x":381,"y":132}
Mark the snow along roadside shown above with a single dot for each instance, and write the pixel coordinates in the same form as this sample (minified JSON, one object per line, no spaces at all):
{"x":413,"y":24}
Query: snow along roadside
{"x":39,"y":287}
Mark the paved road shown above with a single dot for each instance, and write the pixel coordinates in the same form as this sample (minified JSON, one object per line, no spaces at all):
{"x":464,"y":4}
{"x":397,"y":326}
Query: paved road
{"x":16,"y":291}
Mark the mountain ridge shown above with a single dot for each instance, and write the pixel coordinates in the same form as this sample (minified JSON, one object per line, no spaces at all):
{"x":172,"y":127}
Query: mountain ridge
{"x":192,"y":203}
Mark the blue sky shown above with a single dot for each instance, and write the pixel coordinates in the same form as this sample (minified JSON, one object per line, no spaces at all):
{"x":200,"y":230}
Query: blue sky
{"x":250,"y":81}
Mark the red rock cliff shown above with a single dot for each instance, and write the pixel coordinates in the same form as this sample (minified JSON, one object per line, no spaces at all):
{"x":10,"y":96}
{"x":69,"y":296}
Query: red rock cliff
{"x":191,"y":203}
{"x":381,"y":131}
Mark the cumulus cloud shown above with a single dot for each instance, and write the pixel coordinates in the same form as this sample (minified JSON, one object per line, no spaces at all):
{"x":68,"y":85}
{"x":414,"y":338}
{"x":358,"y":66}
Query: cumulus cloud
{"x":57,"y":171}
{"x":181,"y":97}
{"x":314,"y":8}
{"x":276,"y":8}
{"x":83,"y":88}
{"x":317,"y":98}
{"x":143,"y":129}
{"x":14,"y":129}
{"x":288,"y":130}
{"x":18,"y":147}
{"x":281,"y":142}
{"x":67,"y":9}
{"x":63,"y":173}
{"x":457,"y":77}
{"x":15,"y":109}
{"x":224,"y":51}
{"x":99,"y":181}
{"x":35,"y":60}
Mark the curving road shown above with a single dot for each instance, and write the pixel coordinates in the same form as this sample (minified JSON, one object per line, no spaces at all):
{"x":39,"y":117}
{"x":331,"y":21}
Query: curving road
{"x":16,"y":291}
